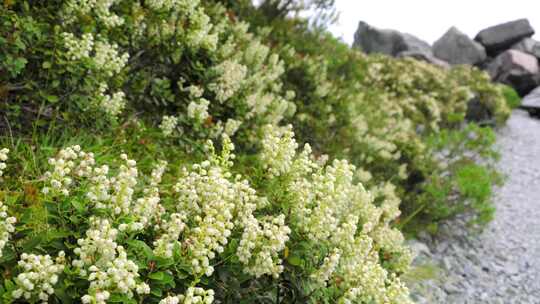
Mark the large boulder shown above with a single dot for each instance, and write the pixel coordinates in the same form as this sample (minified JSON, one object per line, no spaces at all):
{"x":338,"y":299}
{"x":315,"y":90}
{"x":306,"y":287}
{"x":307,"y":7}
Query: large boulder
{"x":529,"y":46}
{"x":389,"y":42}
{"x":456,"y":47}
{"x":517,"y":69}
{"x":501,"y":37}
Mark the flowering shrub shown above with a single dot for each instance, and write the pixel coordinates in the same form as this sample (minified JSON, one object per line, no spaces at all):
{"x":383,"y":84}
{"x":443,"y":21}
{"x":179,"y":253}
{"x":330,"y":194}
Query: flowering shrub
{"x":157,"y":59}
{"x":39,"y":277}
{"x":122,"y":235}
{"x":268,"y":222}
{"x":379,"y":112}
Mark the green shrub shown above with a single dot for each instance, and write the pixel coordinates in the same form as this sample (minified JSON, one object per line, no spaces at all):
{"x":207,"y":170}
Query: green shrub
{"x":162,"y":80}
{"x":100,"y":227}
{"x":462,"y":184}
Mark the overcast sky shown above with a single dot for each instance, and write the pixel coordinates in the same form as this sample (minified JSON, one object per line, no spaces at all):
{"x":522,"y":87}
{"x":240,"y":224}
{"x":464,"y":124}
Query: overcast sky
{"x":430,"y":19}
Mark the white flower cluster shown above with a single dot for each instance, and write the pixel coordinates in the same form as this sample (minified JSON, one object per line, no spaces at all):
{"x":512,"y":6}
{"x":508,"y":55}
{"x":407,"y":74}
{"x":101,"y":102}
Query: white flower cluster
{"x":100,"y":7}
{"x":7,"y":226}
{"x":330,"y":264}
{"x":209,"y":200}
{"x":122,"y":186}
{"x":366,"y":281}
{"x":3,"y":158}
{"x":172,"y":228}
{"x":115,"y":193}
{"x":260,"y":245}
{"x":100,"y":184}
{"x":391,"y":242}
{"x":198,"y":110}
{"x":39,"y":275}
{"x":184,"y":17}
{"x":230,"y":77}
{"x":194,"y":295}
{"x":339,"y":215}
{"x":108,"y":59}
{"x":278,"y":149}
{"x":168,"y":124}
{"x":70,"y":162}
{"x":195,"y":91}
{"x":157,"y":174}
{"x":184,"y":5}
{"x":113,"y":104}
{"x":106,"y":56}
{"x":231,"y":126}
{"x":212,"y":204}
{"x":106,"y":265}
{"x":99,"y":246}
{"x":78,"y":49}
{"x":148,"y":209}
{"x":199,"y":34}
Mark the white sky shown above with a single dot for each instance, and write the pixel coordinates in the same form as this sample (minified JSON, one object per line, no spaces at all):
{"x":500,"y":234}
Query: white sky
{"x":430,"y":19}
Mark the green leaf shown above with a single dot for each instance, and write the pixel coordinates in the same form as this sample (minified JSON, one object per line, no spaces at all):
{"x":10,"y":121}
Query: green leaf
{"x":163,"y":262}
{"x":78,"y":205}
{"x":61,"y":294}
{"x":162,"y":277}
{"x":52,"y":98}
{"x":9,"y":285}
{"x":46,"y":65}
{"x":120,"y":298}
{"x":156,"y":292}
{"x":158,"y":276}
{"x":33,"y":243}
{"x":141,"y":247}
{"x":57,"y":234}
{"x":294,"y":260}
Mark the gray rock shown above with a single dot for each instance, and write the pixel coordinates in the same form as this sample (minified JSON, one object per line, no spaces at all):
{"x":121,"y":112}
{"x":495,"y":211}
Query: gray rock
{"x":389,"y":42}
{"x":456,"y":47}
{"x":532,"y":100}
{"x":501,"y":37}
{"x":517,"y":69}
{"x":529,"y":46}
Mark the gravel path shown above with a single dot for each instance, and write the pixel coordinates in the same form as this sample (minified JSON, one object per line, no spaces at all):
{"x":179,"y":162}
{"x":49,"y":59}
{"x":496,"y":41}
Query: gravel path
{"x":502,"y":264}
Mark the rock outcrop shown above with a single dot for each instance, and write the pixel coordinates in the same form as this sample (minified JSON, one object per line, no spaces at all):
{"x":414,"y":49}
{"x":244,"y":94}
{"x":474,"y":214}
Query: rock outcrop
{"x":505,"y":51}
{"x":517,"y":69}
{"x":456,"y":47}
{"x":529,"y":46}
{"x":501,"y":37}
{"x":390,"y":42}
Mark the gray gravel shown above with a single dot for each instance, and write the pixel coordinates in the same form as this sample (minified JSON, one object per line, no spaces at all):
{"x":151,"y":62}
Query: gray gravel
{"x":502,"y":263}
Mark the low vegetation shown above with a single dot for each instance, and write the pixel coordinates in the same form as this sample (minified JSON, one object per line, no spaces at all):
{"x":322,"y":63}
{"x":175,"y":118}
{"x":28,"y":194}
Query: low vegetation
{"x":191,"y":152}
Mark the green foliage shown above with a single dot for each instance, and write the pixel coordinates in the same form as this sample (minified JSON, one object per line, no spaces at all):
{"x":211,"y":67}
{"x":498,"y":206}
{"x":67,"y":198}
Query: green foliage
{"x":157,"y":81}
{"x":49,"y":222}
{"x":513,"y":100}
{"x":215,"y":76}
{"x":383,"y":113}
{"x":462,"y":184}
